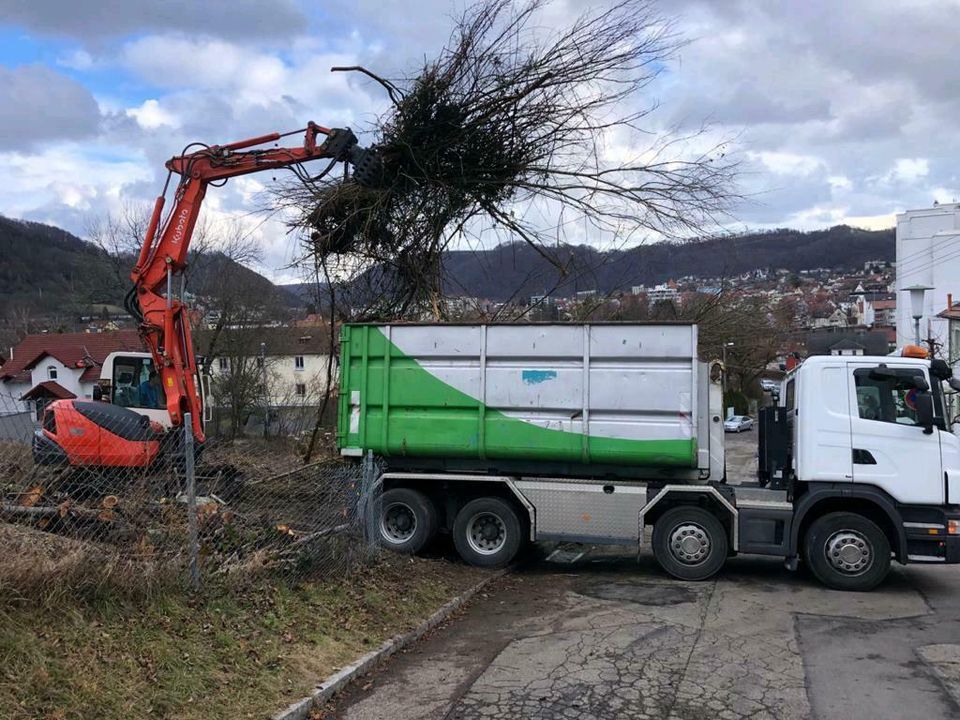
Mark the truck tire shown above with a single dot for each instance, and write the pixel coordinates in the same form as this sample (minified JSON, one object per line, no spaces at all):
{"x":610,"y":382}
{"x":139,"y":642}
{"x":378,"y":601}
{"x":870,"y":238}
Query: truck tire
{"x":408,"y":520}
{"x":487,"y":532}
{"x":690,"y":543}
{"x":846,"y":551}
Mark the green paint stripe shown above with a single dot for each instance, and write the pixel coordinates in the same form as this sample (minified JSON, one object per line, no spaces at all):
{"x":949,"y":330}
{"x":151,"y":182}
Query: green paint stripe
{"x":429,"y":418}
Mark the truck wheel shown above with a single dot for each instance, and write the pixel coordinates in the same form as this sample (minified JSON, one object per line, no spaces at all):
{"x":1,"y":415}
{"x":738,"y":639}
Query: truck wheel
{"x":408,"y":520}
{"x":689,"y":543}
{"x":487,"y":532}
{"x":846,"y":551}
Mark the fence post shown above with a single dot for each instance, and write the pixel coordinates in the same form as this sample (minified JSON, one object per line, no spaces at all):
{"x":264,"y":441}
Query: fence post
{"x":371,"y":504}
{"x":191,"y":501}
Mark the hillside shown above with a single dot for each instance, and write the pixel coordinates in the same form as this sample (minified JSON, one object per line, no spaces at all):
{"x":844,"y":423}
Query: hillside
{"x":517,"y":270}
{"x":47,"y":270}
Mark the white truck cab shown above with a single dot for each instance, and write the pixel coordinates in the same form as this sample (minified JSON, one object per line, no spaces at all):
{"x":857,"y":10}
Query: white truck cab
{"x":858,"y":419}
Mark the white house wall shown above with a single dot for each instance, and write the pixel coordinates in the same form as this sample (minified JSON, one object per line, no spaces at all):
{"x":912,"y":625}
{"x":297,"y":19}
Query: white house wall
{"x":928,"y":253}
{"x":285,"y":376}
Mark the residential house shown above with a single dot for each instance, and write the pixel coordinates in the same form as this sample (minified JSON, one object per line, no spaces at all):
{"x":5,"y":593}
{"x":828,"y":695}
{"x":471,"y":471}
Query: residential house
{"x":295,"y":361}
{"x":847,"y":342}
{"x":836,"y":319}
{"x":53,"y":366}
{"x":663,"y":293}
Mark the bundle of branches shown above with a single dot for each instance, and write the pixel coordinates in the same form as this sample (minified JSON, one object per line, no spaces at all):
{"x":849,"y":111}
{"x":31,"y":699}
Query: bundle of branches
{"x":508,"y":126}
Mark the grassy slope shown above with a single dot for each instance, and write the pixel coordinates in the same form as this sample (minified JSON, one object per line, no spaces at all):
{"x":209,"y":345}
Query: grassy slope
{"x":230,"y":653}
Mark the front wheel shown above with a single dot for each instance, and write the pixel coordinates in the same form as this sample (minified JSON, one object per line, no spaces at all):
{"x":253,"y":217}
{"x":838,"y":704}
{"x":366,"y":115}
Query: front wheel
{"x":846,"y":551}
{"x":487,"y":532}
{"x":690,"y":543}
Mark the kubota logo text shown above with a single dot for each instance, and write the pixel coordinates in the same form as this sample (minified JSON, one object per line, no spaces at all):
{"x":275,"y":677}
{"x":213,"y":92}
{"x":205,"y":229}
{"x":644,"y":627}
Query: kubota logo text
{"x":181,"y":225}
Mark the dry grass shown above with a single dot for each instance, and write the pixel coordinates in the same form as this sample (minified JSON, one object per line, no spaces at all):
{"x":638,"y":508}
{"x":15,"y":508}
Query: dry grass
{"x":233,"y":652}
{"x":40,"y":568}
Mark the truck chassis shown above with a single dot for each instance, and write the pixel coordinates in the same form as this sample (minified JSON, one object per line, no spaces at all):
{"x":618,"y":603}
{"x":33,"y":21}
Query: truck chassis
{"x":847,"y":535}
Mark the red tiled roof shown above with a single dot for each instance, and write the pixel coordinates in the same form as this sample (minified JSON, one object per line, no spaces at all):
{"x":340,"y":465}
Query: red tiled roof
{"x":48,"y":387}
{"x":951,"y":313}
{"x":884,"y":304}
{"x":72,"y":349}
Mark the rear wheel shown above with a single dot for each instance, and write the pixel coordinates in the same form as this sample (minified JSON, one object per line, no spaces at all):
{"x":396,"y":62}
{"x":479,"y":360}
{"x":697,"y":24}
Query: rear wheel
{"x":846,"y":551}
{"x":690,"y":543}
{"x":487,"y":532}
{"x":408,"y":520}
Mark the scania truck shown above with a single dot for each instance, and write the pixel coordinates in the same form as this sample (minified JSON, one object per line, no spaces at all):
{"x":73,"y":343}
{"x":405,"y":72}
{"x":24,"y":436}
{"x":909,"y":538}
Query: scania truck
{"x":501,"y":434}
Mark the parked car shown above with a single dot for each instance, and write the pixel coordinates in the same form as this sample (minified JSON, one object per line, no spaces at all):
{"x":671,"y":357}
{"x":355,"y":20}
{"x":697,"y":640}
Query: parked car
{"x":738,"y":423}
{"x":769,"y":385}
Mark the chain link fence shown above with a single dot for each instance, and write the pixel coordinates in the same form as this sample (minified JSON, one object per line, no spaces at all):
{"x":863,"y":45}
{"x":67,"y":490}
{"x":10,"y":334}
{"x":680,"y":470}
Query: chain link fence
{"x":93,"y":494}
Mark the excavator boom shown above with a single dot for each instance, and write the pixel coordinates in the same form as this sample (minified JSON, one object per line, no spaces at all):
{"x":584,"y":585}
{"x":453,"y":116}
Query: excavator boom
{"x":163,"y":318}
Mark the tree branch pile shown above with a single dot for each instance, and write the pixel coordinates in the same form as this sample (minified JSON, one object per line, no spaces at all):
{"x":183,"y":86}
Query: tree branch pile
{"x":508,"y":125}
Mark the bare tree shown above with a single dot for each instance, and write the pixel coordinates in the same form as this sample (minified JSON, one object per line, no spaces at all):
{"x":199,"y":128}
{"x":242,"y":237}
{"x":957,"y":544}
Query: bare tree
{"x":506,"y":126}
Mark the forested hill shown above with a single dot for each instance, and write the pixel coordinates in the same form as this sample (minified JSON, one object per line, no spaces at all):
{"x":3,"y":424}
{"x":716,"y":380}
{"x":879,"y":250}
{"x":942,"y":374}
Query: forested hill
{"x":44,"y":269}
{"x":517,"y":270}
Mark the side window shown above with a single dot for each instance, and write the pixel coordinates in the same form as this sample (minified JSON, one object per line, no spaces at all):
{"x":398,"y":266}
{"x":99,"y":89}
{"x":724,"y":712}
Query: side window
{"x":891,"y":400}
{"x":790,"y":400}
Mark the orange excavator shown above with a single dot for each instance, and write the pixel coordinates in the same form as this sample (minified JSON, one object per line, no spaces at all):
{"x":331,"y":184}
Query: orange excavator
{"x":124,"y":435}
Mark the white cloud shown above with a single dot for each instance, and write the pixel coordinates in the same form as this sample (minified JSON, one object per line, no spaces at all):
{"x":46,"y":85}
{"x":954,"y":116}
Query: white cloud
{"x":76,"y":60}
{"x":909,"y":170}
{"x":784,"y":163}
{"x":150,"y":116}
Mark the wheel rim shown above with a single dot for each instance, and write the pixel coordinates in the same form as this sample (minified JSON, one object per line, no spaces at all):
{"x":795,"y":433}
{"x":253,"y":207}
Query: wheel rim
{"x":398,"y":523}
{"x":689,"y":543}
{"x":486,"y":533}
{"x":849,"y":552}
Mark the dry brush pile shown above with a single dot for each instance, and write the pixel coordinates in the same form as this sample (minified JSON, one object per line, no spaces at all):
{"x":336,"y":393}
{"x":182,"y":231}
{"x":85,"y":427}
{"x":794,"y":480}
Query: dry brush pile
{"x":509,"y":124}
{"x":259,"y":509}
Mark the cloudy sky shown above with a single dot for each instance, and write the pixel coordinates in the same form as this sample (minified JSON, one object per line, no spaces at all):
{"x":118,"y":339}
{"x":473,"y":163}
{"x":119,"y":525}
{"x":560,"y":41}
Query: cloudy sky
{"x":841,"y":111}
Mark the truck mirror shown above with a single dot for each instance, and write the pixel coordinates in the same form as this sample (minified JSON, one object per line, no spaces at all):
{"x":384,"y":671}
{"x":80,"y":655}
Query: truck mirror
{"x":940,"y":369}
{"x":97,"y":393}
{"x":924,"y":403}
{"x":920,"y":383}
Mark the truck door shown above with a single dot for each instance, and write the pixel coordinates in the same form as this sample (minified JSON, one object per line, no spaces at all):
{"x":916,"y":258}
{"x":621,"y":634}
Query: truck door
{"x":890,"y":450}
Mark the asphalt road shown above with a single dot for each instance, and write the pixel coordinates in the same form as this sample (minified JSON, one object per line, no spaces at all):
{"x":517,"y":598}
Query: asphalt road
{"x":593,"y":632}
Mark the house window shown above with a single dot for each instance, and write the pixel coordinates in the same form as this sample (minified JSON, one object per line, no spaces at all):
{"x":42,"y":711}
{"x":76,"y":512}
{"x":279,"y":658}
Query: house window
{"x":224,"y":364}
{"x":298,"y":362}
{"x":301,"y":389}
{"x":51,"y":372}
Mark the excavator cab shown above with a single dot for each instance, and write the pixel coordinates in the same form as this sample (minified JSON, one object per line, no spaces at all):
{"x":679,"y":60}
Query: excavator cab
{"x":125,"y":425}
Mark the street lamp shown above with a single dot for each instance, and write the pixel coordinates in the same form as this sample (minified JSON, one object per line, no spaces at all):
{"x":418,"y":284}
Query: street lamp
{"x":725,"y":346}
{"x":917,"y":293}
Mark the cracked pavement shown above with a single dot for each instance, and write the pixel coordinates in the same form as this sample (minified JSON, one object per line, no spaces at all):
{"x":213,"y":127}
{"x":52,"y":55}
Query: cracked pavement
{"x":608,"y":635}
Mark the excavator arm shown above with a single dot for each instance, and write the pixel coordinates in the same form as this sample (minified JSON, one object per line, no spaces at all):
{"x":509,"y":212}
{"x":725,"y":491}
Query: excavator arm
{"x":163,"y":318}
